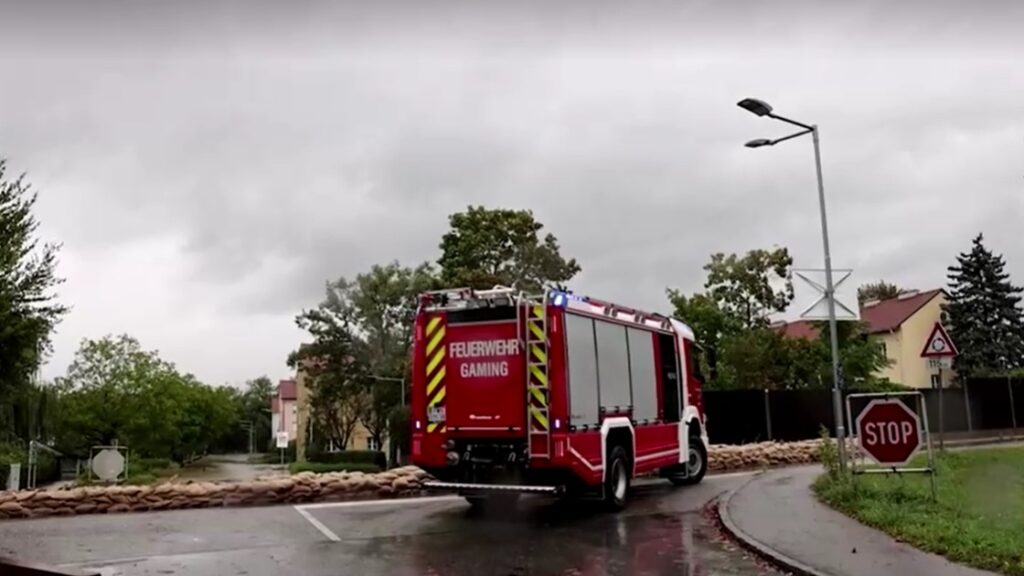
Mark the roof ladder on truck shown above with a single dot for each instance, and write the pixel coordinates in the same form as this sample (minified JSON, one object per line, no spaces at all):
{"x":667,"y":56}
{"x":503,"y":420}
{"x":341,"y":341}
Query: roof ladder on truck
{"x":537,"y":389}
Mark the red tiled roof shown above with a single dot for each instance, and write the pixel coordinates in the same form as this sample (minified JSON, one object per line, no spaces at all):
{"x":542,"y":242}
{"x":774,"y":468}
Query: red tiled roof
{"x":889,"y":314}
{"x":885,"y":316}
{"x":799,"y":329}
{"x":287,"y":389}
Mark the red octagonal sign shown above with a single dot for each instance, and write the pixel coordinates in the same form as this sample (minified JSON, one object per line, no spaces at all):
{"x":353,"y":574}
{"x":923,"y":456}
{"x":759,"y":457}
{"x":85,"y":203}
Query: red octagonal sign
{"x":889,"y":432}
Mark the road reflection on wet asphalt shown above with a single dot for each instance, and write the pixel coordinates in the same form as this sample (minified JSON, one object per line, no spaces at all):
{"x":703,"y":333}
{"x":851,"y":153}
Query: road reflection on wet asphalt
{"x":665,"y":531}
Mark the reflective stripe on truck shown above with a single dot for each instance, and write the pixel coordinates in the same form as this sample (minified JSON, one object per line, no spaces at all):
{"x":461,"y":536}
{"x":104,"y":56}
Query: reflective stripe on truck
{"x":435,"y":375}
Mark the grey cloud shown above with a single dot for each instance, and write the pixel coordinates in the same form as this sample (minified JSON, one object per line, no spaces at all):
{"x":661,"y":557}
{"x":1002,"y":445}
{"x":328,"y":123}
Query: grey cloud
{"x":279,"y":146}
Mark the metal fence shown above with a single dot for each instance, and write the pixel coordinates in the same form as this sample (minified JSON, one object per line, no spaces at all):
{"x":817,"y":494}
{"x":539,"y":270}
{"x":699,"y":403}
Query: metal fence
{"x":745,"y":416}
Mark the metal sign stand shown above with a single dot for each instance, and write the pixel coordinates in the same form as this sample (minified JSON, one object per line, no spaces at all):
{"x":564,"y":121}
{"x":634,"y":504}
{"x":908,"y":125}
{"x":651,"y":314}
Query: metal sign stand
{"x":939,"y":351}
{"x":923,"y":414}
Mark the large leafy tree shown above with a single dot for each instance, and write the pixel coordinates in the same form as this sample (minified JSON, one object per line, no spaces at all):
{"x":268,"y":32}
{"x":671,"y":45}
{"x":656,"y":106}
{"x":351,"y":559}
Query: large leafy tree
{"x":984,"y":313}
{"x":380,"y":305}
{"x":880,"y":290}
{"x":115,"y":390}
{"x":731,"y":321}
{"x":28,"y":306}
{"x":487,"y":247}
{"x":335,"y":361}
{"x":751,"y":287}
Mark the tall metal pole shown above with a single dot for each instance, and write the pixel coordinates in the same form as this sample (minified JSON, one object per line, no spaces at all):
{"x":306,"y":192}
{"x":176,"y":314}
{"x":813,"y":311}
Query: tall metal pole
{"x":830,"y":294}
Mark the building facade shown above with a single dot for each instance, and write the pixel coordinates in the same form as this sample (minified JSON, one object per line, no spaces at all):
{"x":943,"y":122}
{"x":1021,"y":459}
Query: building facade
{"x":284,"y":411}
{"x":902,"y":325}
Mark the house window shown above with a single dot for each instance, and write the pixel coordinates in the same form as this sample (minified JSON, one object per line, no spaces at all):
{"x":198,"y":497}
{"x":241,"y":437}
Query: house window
{"x":885,"y":350}
{"x":372,"y":444}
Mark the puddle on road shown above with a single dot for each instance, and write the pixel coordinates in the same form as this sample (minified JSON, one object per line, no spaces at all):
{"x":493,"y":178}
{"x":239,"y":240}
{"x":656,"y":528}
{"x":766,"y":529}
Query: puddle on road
{"x":567,"y":543}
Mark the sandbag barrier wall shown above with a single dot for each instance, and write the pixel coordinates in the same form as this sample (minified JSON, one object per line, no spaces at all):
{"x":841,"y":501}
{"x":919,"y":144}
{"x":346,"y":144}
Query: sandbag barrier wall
{"x":310,"y":487}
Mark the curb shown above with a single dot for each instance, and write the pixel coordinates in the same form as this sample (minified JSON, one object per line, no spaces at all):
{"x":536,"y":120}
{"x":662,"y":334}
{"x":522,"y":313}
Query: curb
{"x":749,"y":542}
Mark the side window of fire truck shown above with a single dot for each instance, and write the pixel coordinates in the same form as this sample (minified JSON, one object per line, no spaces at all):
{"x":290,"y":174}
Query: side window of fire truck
{"x":613,"y":366}
{"x":642,"y":375}
{"x":581,"y":352}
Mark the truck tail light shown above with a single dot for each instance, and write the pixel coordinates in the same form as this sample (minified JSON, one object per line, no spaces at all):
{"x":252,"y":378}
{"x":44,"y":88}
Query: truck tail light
{"x":558,"y":423}
{"x":418,"y":424}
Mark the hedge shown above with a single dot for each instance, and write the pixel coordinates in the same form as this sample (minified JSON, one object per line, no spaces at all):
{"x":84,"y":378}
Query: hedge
{"x":323,"y":467}
{"x":351,"y":456}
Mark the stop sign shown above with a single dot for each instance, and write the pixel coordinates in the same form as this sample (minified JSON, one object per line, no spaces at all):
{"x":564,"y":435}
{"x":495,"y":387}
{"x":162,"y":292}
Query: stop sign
{"x":889,"y":432}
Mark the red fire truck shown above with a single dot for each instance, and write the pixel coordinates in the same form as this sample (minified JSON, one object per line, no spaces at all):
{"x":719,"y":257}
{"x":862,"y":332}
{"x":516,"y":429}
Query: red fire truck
{"x":554,"y":394}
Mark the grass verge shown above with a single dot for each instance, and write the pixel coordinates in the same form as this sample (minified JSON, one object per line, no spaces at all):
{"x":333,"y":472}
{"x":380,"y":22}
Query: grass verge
{"x":977,"y":520}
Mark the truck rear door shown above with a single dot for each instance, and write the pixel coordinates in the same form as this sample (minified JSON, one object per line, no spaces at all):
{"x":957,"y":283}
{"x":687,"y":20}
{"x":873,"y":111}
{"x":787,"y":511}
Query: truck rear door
{"x":485,"y":373}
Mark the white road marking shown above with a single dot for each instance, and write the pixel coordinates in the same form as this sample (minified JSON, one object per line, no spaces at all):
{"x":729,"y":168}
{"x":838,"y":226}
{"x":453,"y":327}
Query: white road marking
{"x":318,"y":525}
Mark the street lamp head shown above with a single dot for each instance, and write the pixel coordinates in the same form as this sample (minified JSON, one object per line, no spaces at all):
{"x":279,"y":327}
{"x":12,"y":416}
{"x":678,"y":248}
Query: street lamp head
{"x":757,"y":143}
{"x":755,"y":106}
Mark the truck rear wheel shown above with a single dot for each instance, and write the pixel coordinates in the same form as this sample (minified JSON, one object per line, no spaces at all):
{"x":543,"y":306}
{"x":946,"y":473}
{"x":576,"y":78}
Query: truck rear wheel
{"x":617,"y":478}
{"x":696,"y":464}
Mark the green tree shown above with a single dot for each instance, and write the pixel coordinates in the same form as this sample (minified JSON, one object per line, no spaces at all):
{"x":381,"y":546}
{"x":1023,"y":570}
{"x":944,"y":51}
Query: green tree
{"x":115,"y":390}
{"x":28,"y":306}
{"x":880,"y":290}
{"x":984,"y":313}
{"x":380,"y":304}
{"x":749,"y":288}
{"x":253,"y":405}
{"x":487,"y":247}
{"x":730,"y":320}
{"x":335,"y":363}
{"x":710,"y":325}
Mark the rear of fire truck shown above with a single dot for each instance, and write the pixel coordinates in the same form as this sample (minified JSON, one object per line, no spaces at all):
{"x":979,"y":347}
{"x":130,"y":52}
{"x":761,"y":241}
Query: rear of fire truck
{"x":469,"y":398}
{"x":488,"y":423}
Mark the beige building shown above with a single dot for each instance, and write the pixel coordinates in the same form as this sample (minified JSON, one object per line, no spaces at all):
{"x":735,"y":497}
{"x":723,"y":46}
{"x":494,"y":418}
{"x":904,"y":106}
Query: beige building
{"x":902,"y":325}
{"x":360,"y":439}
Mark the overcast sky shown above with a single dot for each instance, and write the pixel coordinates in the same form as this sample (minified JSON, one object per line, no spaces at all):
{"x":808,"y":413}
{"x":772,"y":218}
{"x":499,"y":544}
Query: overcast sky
{"x":208,"y":165}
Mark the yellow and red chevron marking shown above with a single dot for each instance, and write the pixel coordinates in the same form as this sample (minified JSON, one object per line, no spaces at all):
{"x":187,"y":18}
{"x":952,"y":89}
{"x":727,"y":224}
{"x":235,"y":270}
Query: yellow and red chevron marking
{"x":435,"y":355}
{"x":538,"y":380}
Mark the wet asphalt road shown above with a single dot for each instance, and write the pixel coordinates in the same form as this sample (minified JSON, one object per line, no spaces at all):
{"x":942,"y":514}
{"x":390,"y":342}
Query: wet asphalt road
{"x":662,"y":532}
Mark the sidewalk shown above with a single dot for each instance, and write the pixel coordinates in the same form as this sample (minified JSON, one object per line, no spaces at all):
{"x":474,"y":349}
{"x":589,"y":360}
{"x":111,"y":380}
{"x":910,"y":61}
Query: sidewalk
{"x":777,"y":513}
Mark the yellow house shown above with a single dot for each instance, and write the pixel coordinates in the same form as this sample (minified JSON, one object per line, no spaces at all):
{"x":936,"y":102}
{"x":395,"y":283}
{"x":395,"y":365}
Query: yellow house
{"x":902,"y":324}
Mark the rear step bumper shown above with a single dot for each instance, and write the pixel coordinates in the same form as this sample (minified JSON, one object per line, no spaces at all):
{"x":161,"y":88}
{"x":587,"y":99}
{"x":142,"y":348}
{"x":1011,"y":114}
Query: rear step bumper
{"x":463,"y":487}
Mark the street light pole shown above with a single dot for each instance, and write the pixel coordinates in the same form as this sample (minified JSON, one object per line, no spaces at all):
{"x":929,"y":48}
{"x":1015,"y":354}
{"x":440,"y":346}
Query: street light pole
{"x":830,"y":296}
{"x":761,"y":108}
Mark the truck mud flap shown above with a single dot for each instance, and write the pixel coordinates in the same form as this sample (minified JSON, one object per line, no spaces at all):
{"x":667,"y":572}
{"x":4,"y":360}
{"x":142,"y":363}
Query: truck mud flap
{"x":469,"y":488}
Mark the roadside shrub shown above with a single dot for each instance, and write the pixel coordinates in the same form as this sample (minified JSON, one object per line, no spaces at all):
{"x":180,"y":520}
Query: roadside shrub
{"x":828,"y":453}
{"x":374,"y":457}
{"x":323,"y":467}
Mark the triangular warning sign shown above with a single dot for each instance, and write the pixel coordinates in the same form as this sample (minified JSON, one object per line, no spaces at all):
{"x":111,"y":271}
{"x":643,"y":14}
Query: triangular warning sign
{"x":939,"y":344}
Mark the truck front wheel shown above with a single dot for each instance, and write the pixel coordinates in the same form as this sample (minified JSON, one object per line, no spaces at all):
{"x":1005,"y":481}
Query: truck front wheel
{"x":616,"y":482}
{"x":696,"y":464}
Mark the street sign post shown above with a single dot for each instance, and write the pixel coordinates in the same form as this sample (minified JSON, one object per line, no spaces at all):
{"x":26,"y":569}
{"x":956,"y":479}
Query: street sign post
{"x":109,"y":463}
{"x":890,"y":433}
{"x":282,"y":444}
{"x":939,"y":352}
